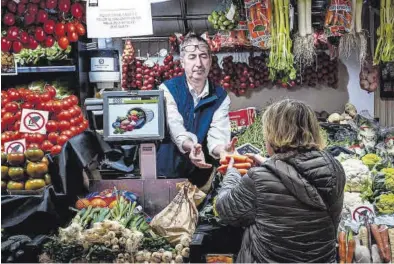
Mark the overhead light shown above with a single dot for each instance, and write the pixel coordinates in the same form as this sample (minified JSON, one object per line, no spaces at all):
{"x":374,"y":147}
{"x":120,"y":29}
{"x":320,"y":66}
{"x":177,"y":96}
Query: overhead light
{"x":158,"y":1}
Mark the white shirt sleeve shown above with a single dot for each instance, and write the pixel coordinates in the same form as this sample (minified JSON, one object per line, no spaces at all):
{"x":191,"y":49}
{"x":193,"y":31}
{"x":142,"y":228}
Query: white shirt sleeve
{"x":175,"y":121}
{"x":220,"y":131}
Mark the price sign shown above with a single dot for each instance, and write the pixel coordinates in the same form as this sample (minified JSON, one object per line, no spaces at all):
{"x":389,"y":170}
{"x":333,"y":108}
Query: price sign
{"x":118,"y":18}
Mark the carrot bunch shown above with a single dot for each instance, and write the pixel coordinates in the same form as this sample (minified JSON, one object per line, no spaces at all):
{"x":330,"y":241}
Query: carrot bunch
{"x":241,"y":163}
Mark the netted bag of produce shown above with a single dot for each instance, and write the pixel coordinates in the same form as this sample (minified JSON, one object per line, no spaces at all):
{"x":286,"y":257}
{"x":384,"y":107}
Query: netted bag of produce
{"x":225,"y":17}
{"x":338,"y":19}
{"x":369,"y":76}
{"x":258,"y":13}
{"x":179,"y":219}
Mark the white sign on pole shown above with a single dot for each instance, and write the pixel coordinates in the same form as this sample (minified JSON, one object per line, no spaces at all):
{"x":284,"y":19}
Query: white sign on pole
{"x":34,"y":121}
{"x":118,"y":18}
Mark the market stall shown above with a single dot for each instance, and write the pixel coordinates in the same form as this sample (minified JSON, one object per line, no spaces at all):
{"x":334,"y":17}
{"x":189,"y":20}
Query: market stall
{"x":82,"y":119}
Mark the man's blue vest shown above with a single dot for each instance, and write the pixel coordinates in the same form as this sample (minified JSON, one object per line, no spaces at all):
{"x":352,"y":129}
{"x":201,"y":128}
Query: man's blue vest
{"x":197,"y":120}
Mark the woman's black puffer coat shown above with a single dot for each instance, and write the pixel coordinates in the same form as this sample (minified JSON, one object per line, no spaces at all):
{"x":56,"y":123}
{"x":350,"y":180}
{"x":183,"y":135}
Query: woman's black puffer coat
{"x":290,"y":206}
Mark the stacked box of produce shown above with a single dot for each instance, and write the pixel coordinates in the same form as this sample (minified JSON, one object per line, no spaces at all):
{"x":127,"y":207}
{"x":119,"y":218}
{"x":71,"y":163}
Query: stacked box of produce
{"x":24,"y":171}
{"x":119,"y":233}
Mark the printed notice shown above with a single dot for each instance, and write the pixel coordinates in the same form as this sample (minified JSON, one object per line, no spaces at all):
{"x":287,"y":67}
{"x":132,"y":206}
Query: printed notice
{"x":119,"y":18}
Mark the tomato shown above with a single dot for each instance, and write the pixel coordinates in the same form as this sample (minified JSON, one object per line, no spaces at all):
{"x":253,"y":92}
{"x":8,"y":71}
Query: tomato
{"x":72,"y":37}
{"x":38,"y":138}
{"x":17,"y":135}
{"x":33,"y":146}
{"x":27,"y":105}
{"x":45,"y":97}
{"x":79,"y":119}
{"x":17,"y":46}
{"x":5,"y":45}
{"x":41,"y":106}
{"x":60,"y":30}
{"x":39,"y":34}
{"x":62,"y":139}
{"x":17,"y":125}
{"x":74,"y":100}
{"x":18,"y":115}
{"x":33,"y":44}
{"x":49,"y":26}
{"x":70,"y":28}
{"x":64,"y":5}
{"x":66,"y":104}
{"x":64,"y":115}
{"x":77,"y":10}
{"x":80,"y":29}
{"x":4,"y":101}
{"x":52,"y":137}
{"x":72,"y":112}
{"x":3,"y":111}
{"x":51,"y":126}
{"x":78,"y":109}
{"x":56,"y":150}
{"x":5,"y":138}
{"x":8,"y":118}
{"x":63,"y":125}
{"x":67,"y":133}
{"x":63,"y":42}
{"x":11,"y":107}
{"x":13,"y":95}
{"x":74,"y":122}
{"x":46,"y":146}
{"x":49,"y":41}
{"x":51,"y":90}
{"x":57,"y":106}
{"x":33,"y":98}
{"x":75,"y":130}
{"x":49,"y":105}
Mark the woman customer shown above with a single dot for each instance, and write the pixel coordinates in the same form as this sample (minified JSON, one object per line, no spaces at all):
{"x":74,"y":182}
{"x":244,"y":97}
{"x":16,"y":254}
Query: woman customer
{"x":290,"y":204}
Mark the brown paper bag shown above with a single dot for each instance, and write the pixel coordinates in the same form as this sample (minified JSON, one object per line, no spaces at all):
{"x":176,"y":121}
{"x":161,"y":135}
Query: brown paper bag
{"x":179,"y":218}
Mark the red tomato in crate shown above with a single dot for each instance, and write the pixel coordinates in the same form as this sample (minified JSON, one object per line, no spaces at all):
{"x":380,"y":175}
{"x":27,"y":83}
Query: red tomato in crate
{"x":62,"y":139}
{"x":51,"y":90}
{"x":63,"y":125}
{"x":17,"y":125}
{"x":27,"y":105}
{"x":5,"y":138}
{"x":45,"y":97}
{"x":67,"y":133}
{"x":73,"y":99}
{"x":13,"y":94}
{"x":64,"y":115}
{"x":65,"y":104}
{"x":46,"y":146}
{"x":11,"y":107}
{"x":74,"y":130}
{"x":56,"y":150}
{"x":33,"y":145}
{"x":52,"y":137}
{"x":8,"y":118}
{"x":57,"y":106}
{"x":51,"y":126}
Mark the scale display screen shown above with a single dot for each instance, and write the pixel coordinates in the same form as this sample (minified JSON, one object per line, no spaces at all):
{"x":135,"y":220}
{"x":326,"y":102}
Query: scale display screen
{"x":133,"y":115}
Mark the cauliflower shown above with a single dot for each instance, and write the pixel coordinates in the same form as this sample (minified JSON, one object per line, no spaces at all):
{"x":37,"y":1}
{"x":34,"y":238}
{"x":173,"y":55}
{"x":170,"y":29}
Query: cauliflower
{"x":356,"y":173}
{"x":389,"y":178}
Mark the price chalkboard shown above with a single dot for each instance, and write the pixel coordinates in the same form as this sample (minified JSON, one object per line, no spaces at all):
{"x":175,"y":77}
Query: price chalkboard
{"x":248,"y":148}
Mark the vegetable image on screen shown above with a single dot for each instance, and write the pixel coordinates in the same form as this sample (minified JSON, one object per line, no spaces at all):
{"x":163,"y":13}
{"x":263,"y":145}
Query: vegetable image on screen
{"x":135,"y":118}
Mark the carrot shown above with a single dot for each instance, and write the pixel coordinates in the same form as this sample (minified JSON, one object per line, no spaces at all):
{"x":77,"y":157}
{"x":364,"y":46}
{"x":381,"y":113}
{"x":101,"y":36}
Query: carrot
{"x":249,"y":160}
{"x":223,"y":162}
{"x":237,"y":158}
{"x":252,"y":13}
{"x":222,"y":169}
{"x":342,"y":247}
{"x":351,"y":245}
{"x":329,"y":16}
{"x":384,"y":234}
{"x":268,"y":10}
{"x":245,"y":165}
{"x":242,"y":171}
{"x":378,"y":239}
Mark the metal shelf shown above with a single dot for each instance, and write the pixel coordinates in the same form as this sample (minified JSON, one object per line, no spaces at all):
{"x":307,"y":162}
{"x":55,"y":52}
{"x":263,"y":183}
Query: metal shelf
{"x":70,"y":68}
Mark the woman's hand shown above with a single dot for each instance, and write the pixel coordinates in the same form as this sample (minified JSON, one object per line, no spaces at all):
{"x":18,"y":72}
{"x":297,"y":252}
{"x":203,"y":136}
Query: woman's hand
{"x":230,"y":164}
{"x":257,"y":159}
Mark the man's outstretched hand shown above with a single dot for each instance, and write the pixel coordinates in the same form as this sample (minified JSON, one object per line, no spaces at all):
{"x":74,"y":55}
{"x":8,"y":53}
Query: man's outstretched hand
{"x":197,"y":157}
{"x":229,"y":149}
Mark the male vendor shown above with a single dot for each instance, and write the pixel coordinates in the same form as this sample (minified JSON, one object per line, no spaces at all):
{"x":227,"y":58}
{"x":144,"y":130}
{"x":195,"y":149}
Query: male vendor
{"x":197,"y":118}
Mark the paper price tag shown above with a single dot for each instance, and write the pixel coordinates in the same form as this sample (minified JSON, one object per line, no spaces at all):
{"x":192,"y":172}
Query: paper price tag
{"x":231,"y":12}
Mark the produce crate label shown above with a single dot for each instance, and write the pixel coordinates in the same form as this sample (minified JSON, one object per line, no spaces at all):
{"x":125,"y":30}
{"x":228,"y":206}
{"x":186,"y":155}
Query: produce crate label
{"x":15,"y":146}
{"x":34,"y":121}
{"x":102,"y":64}
{"x":242,"y":118}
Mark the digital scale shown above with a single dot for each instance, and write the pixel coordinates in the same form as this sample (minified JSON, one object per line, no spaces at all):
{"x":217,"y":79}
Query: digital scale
{"x":127,"y":121}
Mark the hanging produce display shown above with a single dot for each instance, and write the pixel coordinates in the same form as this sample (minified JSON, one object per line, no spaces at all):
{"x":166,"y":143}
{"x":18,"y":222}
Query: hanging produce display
{"x":281,"y":60}
{"x":29,"y":24}
{"x":338,"y":19}
{"x":65,"y":118}
{"x":259,"y":15}
{"x":384,"y":51}
{"x":369,"y":77}
{"x":304,"y":45}
{"x":224,"y":20}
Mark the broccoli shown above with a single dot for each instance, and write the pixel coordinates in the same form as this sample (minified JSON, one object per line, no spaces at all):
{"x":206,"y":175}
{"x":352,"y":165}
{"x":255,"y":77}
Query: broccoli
{"x":385,"y":203}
